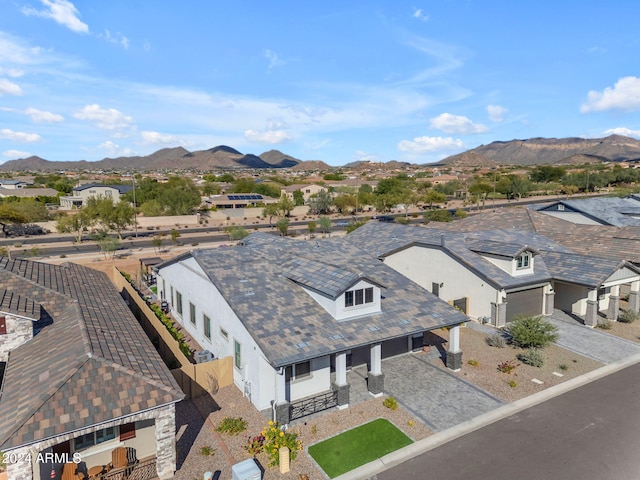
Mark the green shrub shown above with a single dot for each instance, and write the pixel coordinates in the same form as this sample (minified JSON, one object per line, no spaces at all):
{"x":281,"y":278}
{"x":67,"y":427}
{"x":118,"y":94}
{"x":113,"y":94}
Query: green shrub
{"x":512,"y":383}
{"x":532,"y":357}
{"x":232,"y":426}
{"x":207,"y":451}
{"x":628,"y":316}
{"x":495,"y":340}
{"x":564,"y":367}
{"x":276,"y":438}
{"x":391,"y":403}
{"x":604,"y":325}
{"x":474,"y":363}
{"x":532,"y":332}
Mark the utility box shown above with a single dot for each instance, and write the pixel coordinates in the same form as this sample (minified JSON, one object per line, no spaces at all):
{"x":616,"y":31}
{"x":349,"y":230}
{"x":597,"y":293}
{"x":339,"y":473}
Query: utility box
{"x":247,"y":470}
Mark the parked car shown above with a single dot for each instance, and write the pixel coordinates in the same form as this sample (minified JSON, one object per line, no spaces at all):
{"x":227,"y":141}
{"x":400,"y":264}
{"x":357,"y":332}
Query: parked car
{"x":386,"y":218}
{"x":342,"y":224}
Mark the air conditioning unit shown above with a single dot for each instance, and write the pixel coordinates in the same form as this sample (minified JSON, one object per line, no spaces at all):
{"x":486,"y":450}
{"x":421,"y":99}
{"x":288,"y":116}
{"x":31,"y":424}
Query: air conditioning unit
{"x":203,"y":356}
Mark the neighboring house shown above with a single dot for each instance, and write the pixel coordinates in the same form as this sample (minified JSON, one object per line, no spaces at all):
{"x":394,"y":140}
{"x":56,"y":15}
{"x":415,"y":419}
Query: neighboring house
{"x":294,"y":315}
{"x":86,"y":383}
{"x":617,"y":212}
{"x":501,"y":274}
{"x":28,"y":192}
{"x":81,"y":194}
{"x":238,"y":200}
{"x":11,"y":184}
{"x":307,"y":190}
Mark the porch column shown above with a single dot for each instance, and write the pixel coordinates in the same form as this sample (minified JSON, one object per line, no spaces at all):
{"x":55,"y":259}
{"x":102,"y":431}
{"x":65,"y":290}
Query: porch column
{"x":614,"y":304}
{"x":375,"y":382}
{"x":499,"y":309}
{"x":454,"y":355}
{"x":166,"y":442}
{"x":282,"y":410}
{"x":591,"y":316}
{"x":22,"y":469}
{"x":634,"y":296}
{"x":549,"y":297}
{"x":341,"y":385}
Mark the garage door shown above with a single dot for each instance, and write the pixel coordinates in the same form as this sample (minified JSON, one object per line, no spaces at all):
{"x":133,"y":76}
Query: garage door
{"x":524,"y":302}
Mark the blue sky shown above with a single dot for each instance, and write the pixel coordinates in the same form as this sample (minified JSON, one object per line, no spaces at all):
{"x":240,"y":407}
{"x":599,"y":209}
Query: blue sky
{"x":335,"y":81}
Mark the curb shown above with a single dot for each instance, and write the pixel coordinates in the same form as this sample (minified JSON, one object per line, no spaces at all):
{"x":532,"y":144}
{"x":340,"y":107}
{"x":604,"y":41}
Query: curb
{"x":440,"y":438}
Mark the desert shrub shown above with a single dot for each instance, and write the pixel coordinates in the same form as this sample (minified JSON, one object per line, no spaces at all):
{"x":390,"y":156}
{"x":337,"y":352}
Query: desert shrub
{"x":495,"y":340}
{"x":391,"y":403}
{"x":533,"y":357}
{"x":604,"y":324}
{"x":474,"y":363}
{"x":564,"y":367}
{"x":207,"y":451}
{"x":628,"y":316}
{"x":512,"y":383}
{"x":507,"y":366}
{"x":232,"y":426}
{"x":272,"y":439}
{"x":532,"y":332}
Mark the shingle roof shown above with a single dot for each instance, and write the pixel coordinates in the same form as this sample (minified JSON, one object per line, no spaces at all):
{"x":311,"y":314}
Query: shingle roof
{"x":287,"y":323}
{"x":614,"y":211}
{"x":323,"y":278}
{"x":13,"y":303}
{"x":94,"y":363}
{"x":580,"y":269}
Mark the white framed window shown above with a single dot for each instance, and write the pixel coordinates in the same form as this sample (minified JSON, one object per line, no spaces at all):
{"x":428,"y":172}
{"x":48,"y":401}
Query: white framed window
{"x":179,"y":302}
{"x":523,"y":261}
{"x":359,"y":296}
{"x":224,"y":334}
{"x":192,"y":313}
{"x":94,"y":438}
{"x":237,"y":354}
{"x":206,"y":325}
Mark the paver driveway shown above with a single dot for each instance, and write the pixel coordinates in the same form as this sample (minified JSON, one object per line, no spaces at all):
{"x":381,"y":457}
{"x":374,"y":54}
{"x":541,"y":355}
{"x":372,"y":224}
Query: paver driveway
{"x":438,"y":398}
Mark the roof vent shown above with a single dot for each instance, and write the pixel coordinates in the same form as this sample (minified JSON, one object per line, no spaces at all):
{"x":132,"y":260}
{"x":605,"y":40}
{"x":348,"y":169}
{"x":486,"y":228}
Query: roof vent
{"x":373,"y":328}
{"x":337,"y":336}
{"x":302,"y":345}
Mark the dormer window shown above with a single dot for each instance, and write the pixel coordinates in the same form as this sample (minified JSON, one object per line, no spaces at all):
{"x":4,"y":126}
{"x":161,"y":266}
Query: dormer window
{"x":523,"y":261}
{"x":358,"y":296}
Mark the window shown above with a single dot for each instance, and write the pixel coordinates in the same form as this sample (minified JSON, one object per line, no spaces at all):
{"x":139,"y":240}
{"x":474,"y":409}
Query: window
{"x":192,"y":313}
{"x":3,"y":325}
{"x":171,"y":298}
{"x":179,"y":302}
{"x":561,"y":208}
{"x":207,"y":326}
{"x":359,"y":296}
{"x":298,"y":370}
{"x":237,"y":357}
{"x":224,"y":333}
{"x":94,"y":438}
{"x":523,"y":260}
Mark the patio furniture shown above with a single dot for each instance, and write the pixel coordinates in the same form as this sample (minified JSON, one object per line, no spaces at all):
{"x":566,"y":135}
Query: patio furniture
{"x":70,"y":472}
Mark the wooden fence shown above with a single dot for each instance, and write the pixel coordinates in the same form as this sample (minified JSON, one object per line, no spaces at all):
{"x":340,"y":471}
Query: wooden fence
{"x":194,"y":379}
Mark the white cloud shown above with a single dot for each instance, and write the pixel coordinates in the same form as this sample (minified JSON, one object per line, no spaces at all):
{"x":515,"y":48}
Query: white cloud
{"x":420,"y":15}
{"x":267,"y":136}
{"x":62,"y":12}
{"x":496,"y":113}
{"x":40,"y":116}
{"x":625,"y":95}
{"x":9,"y":88}
{"x":627,"y":132}
{"x":452,"y":124}
{"x":11,"y":72}
{"x":105,"y":118}
{"x":117,"y":39}
{"x":20,"y":137}
{"x":114,"y":149}
{"x":430,"y":144}
{"x":154,"y":138}
{"x":16,"y":154}
{"x":274,"y":59}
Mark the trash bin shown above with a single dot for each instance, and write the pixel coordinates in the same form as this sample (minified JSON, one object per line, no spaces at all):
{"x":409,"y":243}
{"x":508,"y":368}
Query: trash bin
{"x":247,"y":470}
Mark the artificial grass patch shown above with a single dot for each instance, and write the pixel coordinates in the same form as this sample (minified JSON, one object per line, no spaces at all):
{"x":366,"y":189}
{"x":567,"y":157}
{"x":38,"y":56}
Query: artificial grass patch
{"x":358,"y":446}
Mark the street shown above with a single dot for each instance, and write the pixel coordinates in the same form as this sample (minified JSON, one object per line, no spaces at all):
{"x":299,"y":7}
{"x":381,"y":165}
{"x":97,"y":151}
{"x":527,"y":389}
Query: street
{"x":590,"y":433}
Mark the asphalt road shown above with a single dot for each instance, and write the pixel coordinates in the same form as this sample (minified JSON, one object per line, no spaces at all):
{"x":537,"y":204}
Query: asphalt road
{"x":591,"y":433}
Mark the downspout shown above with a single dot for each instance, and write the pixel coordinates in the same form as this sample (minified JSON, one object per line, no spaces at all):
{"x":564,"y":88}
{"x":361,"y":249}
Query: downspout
{"x":275,"y":391}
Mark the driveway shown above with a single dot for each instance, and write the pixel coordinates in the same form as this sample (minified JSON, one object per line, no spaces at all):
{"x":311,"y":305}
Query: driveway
{"x":591,"y":342}
{"x":438,"y":398}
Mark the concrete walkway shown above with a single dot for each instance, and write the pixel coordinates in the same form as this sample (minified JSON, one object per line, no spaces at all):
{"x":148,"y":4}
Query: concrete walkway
{"x":591,"y":342}
{"x":438,"y":398}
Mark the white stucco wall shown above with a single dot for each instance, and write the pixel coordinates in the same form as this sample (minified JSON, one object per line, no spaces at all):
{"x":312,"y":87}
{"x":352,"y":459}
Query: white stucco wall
{"x":319,"y":381}
{"x":144,"y":442}
{"x":337,"y":309}
{"x":430,"y":265}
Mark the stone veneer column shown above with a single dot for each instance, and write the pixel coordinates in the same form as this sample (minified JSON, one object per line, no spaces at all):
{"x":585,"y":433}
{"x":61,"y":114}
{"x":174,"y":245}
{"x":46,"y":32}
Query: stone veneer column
{"x":549,"y":299}
{"x":591,"y":315}
{"x":454,"y":355}
{"x":634,"y":296}
{"x":614,"y":304}
{"x":21,"y":469}
{"x":341,"y":385}
{"x":166,"y":442}
{"x":499,"y":314}
{"x":375,"y":380}
{"x":283,"y":406}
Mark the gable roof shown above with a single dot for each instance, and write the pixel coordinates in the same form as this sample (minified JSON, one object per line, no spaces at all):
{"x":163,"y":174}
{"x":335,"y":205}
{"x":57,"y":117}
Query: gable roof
{"x":287,"y":323}
{"x":93,"y":364}
{"x":618,"y":212}
{"x":553,"y":262}
{"x":15,"y":304}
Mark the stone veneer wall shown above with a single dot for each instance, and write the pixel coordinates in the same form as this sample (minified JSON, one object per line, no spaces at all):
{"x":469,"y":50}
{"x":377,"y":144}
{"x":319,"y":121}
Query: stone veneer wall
{"x":165,"y":428}
{"x":19,"y":331}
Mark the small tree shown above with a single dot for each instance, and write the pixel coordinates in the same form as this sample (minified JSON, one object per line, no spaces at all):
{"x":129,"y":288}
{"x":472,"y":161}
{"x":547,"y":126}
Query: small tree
{"x":312,"y":227}
{"x":236,"y":233}
{"x":437,"y":216}
{"x":325,"y":224}
{"x":283,"y":226}
{"x":285,"y":205}
{"x":157,"y":241}
{"x":174,"y":235}
{"x":532,"y":332}
{"x":271,"y":210}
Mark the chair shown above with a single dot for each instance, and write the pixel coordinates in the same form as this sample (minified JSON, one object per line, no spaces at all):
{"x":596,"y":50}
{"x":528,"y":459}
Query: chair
{"x":70,"y":472}
{"x":119,"y":457}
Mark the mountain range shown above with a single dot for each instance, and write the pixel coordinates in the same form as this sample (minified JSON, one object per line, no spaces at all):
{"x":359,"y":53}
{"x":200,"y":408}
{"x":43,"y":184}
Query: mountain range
{"x":534,"y":151}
